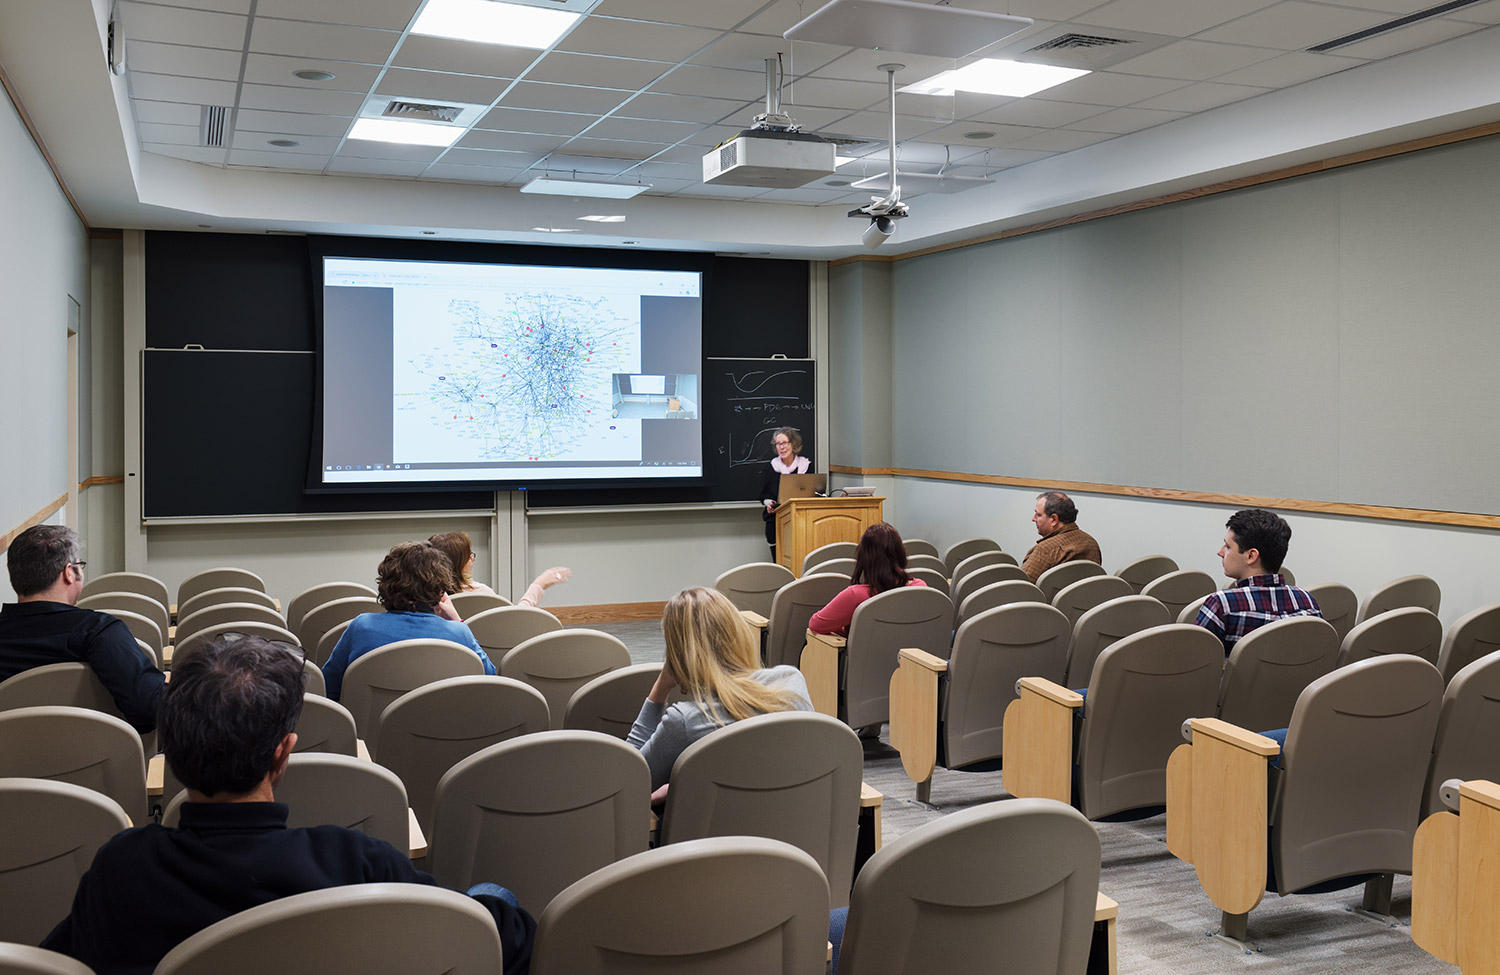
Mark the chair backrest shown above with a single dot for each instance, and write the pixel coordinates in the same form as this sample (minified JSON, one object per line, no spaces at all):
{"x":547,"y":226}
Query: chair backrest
{"x":325,"y":616}
{"x":1177,"y":589}
{"x":219,"y":578}
{"x":982,"y":560}
{"x":324,"y":789}
{"x":539,"y":812}
{"x":312,"y":679}
{"x":324,"y":592}
{"x":1415,"y":590}
{"x":1355,"y":760}
{"x":374,"y":929}
{"x":791,"y":610}
{"x":84,"y":747}
{"x":1189,"y":612}
{"x":130,"y":602}
{"x":753,"y":586}
{"x":1060,"y":577}
{"x":932,"y":577}
{"x":377,"y":678}
{"x":428,"y":731}
{"x":49,"y":833}
{"x":921,"y":546}
{"x":926,"y":562}
{"x":823,"y":553}
{"x":142,"y":628}
{"x":148,"y":653}
{"x":770,"y":918}
{"x":959,"y":551}
{"x":227,"y":594}
{"x":994,"y":595}
{"x":501,"y":630}
{"x":194,"y":642}
{"x":985,"y":575}
{"x":1146,"y":569}
{"x":610,"y":702}
{"x":1270,"y":667}
{"x":1080,"y":597}
{"x":1473,"y":635}
{"x":326,"y":643}
{"x":837,"y":567}
{"x":1105,"y":624}
{"x":1467,"y":745}
{"x":18,"y":959}
{"x":69,"y":684}
{"x":913,"y":616}
{"x":1143,"y":688}
{"x":137,"y":582}
{"x":468,"y":604}
{"x":559,"y":663}
{"x":219,"y":613}
{"x":991,"y":652}
{"x":325,"y":726}
{"x":927,"y":903}
{"x":792,"y":776}
{"x":1410,"y":630}
{"x":1287,"y":575}
{"x":1339,"y":605}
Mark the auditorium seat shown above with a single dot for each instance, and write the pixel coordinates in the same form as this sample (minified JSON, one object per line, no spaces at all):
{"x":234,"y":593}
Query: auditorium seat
{"x":981,"y":560}
{"x":227,"y":594}
{"x":1078,"y":598}
{"x":794,"y":605}
{"x":1189,"y":612}
{"x":1475,"y":634}
{"x":823,"y":553}
{"x":1177,"y":589}
{"x":326,"y":726}
{"x":77,"y":745}
{"x":326,"y":643}
{"x":468,"y":604}
{"x":136,"y":582}
{"x":609,"y":703}
{"x":753,"y":586}
{"x":1414,"y":590}
{"x":315,"y":596}
{"x":378,"y":677}
{"x":1338,"y":604}
{"x":267,"y":631}
{"x":994,"y":595}
{"x":220,"y":613}
{"x":325,"y":616}
{"x":498,"y":631}
{"x":1409,"y":630}
{"x":143,"y":629}
{"x":843,"y":568}
{"x":959,"y":551}
{"x":19,"y":959}
{"x":1059,"y":577}
{"x":559,"y":663}
{"x":1103,"y":626}
{"x":931,"y":577}
{"x":73,"y":685}
{"x":218,"y":578}
{"x":985,"y":575}
{"x":1269,"y":669}
{"x":130,"y":602}
{"x":926,"y":562}
{"x":1453,"y":890}
{"x":921,"y":546}
{"x":1467,"y":745}
{"x":1146,"y":569}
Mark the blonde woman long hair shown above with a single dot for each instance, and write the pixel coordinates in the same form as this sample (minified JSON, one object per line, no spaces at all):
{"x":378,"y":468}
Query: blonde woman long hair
{"x":711,"y":653}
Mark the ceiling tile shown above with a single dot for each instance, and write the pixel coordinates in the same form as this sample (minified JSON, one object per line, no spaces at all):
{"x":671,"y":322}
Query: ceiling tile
{"x":544,"y":123}
{"x":365,"y":149}
{"x":806,"y":194}
{"x":643,"y":130}
{"x":1123,"y":120}
{"x":1046,"y":115}
{"x":680,"y":108}
{"x":1407,"y":38}
{"x":725,"y":192}
{"x":720,"y":14}
{"x":1055,"y":10}
{"x":664,"y":187}
{"x":696,"y":79}
{"x":635,"y":39}
{"x":322,"y":145}
{"x":1288,"y":69}
{"x":388,"y":14}
{"x":464,"y":57}
{"x":293,"y":38}
{"x":513,"y":161}
{"x":510,"y":141}
{"x":863,"y":64}
{"x":280,"y":98}
{"x":748,"y":52}
{"x":780,"y":16}
{"x":1293,"y":25}
{"x":1398,"y":8}
{"x":562,"y":164}
{"x":175,"y":25}
{"x":1479,"y":13}
{"x":169,"y":88}
{"x":290,"y":123}
{"x":613,"y":148}
{"x":1200,"y":97}
{"x":707,"y":138}
{"x":563,"y":98}
{"x":1011,"y":157}
{"x":277,"y":160}
{"x":178,"y":59}
{"x":1062,"y":140}
{"x":669,"y":170}
{"x":1194,"y":60}
{"x":440,"y":86}
{"x":267,"y":69}
{"x":1106,"y":88}
{"x":683,"y":155}
{"x":172,"y":113}
{"x":832,"y":93}
{"x":562,"y":67}
{"x":375,"y":167}
{"x":1174,"y":18}
{"x":811,"y":119}
{"x":197,"y":154}
{"x":179,"y":135}
{"x":470,"y":174}
{"x":956,"y":134}
{"x":877,"y":126}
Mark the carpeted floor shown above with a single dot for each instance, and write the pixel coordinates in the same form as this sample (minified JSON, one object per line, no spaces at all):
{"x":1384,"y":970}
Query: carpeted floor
{"x":1165,"y":920}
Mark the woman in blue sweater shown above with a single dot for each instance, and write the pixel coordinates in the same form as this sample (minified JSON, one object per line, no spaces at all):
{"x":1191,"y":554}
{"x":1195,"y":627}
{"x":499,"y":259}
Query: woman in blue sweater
{"x":413,"y":583}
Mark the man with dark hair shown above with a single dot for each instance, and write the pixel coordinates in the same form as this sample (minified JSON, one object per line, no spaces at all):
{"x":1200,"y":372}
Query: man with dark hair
{"x":45,"y":626}
{"x":226,"y":728}
{"x":1254,"y":546}
{"x":1062,"y":540}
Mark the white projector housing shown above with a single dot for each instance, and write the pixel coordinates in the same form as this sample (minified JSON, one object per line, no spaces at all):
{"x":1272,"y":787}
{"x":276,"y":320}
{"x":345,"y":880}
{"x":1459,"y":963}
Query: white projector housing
{"x":769,"y":158}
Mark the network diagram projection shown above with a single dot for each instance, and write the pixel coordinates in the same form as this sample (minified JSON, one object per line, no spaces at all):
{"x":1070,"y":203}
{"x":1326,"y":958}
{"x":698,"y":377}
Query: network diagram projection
{"x":440,"y":372}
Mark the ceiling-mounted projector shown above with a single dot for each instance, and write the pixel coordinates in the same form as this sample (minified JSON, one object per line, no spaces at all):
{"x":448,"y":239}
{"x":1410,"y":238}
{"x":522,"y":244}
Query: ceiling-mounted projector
{"x":773,"y":152}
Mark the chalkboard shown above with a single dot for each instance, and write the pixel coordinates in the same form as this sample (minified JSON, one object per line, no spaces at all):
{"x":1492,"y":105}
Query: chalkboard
{"x":749,"y":399}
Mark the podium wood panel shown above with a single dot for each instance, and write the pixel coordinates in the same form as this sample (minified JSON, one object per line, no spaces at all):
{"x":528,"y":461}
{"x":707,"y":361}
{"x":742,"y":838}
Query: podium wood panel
{"x":803,"y":524}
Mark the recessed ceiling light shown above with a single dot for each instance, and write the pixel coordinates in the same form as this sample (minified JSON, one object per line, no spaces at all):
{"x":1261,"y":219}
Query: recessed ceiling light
{"x":405,"y":133}
{"x":492,"y":22}
{"x":836,"y":182}
{"x":979,"y":135}
{"x":1015,"y":79}
{"x":556,"y":230}
{"x":206,"y":226}
{"x":604,"y":218}
{"x":579,"y":187}
{"x":429,"y":233}
{"x":313,"y":74}
{"x":283,"y":143}
{"x":630,"y":242}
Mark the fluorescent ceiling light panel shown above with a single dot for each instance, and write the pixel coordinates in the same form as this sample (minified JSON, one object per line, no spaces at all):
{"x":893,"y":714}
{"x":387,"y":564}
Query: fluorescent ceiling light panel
{"x":604,"y":218}
{"x":579,"y":187}
{"x":901,"y":25}
{"x":844,"y":160}
{"x":493,"y":22}
{"x":1015,"y":79}
{"x":921,"y":182}
{"x":406,"y":133}
{"x":556,"y":230}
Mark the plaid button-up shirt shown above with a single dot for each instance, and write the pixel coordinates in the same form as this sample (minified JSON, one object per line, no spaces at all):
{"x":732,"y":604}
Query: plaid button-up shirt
{"x":1249,"y":604}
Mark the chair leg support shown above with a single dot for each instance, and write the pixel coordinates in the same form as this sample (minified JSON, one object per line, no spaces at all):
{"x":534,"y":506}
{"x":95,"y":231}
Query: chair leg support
{"x":1234,"y":926}
{"x":924,"y":790}
{"x":1378,"y":894}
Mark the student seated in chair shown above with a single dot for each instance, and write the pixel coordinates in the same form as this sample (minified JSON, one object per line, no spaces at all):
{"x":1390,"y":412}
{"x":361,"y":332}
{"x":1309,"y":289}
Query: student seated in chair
{"x":1255,"y":545}
{"x":460,"y":551}
{"x":226,"y":727}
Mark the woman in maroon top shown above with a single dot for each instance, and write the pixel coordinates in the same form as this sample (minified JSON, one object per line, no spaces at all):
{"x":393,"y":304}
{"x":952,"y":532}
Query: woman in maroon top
{"x":879,"y":565}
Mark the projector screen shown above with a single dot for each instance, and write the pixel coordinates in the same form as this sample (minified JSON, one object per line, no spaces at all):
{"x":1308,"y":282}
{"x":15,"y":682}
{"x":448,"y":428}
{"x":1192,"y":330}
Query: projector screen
{"x":440,"y":372}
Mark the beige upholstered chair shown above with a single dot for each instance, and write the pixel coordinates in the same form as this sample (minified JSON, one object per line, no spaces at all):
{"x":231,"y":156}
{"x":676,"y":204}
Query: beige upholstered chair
{"x":1338,"y":604}
{"x":72,"y":685}
{"x":960,"y":721}
{"x":373,"y":929}
{"x":324,"y":789}
{"x":227,"y":594}
{"x":985,"y":575}
{"x":217,"y":614}
{"x":315,"y":596}
{"x":1059,"y":577}
{"x":325,"y":616}
{"x":1416,"y":590}
{"x":983,"y":560}
{"x":931,"y":577}
{"x":1080,"y":597}
{"x":559,"y":663}
{"x":470,"y":604}
{"x":1410,"y":630}
{"x":843,"y":568}
{"x":927,"y":903}
{"x":17,"y":959}
{"x":377,"y":678}
{"x":610,"y":702}
{"x":194,"y":642}
{"x":1270,"y":667}
{"x":136,"y":582}
{"x":1105,"y":624}
{"x":921,"y":546}
{"x":793,"y":606}
{"x":326,"y":726}
{"x":312,"y":679}
{"x":49,"y":833}
{"x":994,"y":595}
{"x":326,"y":643}
{"x":959,"y":551}
{"x":426,"y":732}
{"x":77,"y":745}
{"x":926,"y":562}
{"x":823,"y":553}
{"x":539,"y":812}
{"x":753,"y":586}
{"x":771,"y":920}
{"x":1145,"y":569}
{"x":130,"y":602}
{"x":1467,"y":745}
{"x":499,"y":631}
{"x":1473,"y":635}
{"x":219,"y":578}
{"x":1447,"y":896}
{"x":1189,"y":612}
{"x":792,"y":776}
{"x":143,"y":629}
{"x":1177,"y":589}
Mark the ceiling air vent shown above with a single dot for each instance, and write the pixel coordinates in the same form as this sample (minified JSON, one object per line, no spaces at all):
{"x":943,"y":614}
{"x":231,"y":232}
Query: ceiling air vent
{"x":1388,"y":26}
{"x":422,"y":111}
{"x":1079,"y":49}
{"x":213,"y":125}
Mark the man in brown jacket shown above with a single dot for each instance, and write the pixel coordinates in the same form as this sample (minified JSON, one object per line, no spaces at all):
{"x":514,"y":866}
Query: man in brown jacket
{"x":1061,"y":539}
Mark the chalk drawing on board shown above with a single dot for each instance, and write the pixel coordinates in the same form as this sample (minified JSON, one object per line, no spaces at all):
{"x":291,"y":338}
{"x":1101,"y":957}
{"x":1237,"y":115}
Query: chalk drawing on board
{"x":769,"y":397}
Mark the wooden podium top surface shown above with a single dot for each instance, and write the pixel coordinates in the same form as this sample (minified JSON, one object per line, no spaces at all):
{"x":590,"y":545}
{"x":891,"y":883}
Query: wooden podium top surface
{"x":828,"y":502}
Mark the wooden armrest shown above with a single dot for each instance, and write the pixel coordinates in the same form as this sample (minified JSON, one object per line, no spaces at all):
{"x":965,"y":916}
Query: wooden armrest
{"x":869,"y":795}
{"x":156,"y":771}
{"x":417,"y":841}
{"x":754,"y":619}
{"x":1038,"y":740}
{"x":1455,"y":883}
{"x":166,"y":655}
{"x":1104,"y":908}
{"x":914,"y":715}
{"x":172,"y":610}
{"x":820,"y":668}
{"x":278,"y":604}
{"x":172,"y":633}
{"x":1236,"y":736}
{"x":832,"y":639}
{"x":1481,"y":791}
{"x":871,"y":801}
{"x":655,"y":821}
{"x":923,"y":659}
{"x":1106,"y":912}
{"x":361,"y":750}
{"x":1053,"y":692}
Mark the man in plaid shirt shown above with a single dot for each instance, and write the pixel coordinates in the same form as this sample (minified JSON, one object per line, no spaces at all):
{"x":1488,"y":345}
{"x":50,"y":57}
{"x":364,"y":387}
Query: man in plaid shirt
{"x":1254,"y":546}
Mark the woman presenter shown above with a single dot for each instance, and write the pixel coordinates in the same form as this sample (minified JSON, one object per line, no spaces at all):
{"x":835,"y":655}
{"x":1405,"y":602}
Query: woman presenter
{"x":788,"y":460}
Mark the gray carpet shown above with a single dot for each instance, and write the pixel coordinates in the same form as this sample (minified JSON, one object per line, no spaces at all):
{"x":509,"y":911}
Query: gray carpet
{"x":1165,"y":919}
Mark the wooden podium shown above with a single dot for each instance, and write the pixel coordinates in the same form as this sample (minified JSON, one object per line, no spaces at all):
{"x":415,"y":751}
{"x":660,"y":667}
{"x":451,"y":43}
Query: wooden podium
{"x":803,"y":524}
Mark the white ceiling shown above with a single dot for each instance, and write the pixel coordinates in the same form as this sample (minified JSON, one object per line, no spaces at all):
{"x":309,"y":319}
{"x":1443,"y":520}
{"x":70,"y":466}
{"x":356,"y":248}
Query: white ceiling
{"x":639,"y":90}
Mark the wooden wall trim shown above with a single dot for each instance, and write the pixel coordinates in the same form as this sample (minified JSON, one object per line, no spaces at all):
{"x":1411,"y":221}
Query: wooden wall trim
{"x":99,"y":479}
{"x":35,"y":519}
{"x":608,"y":612}
{"x":1461,"y":518}
{"x":1287,"y":172}
{"x":15,"y":99}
